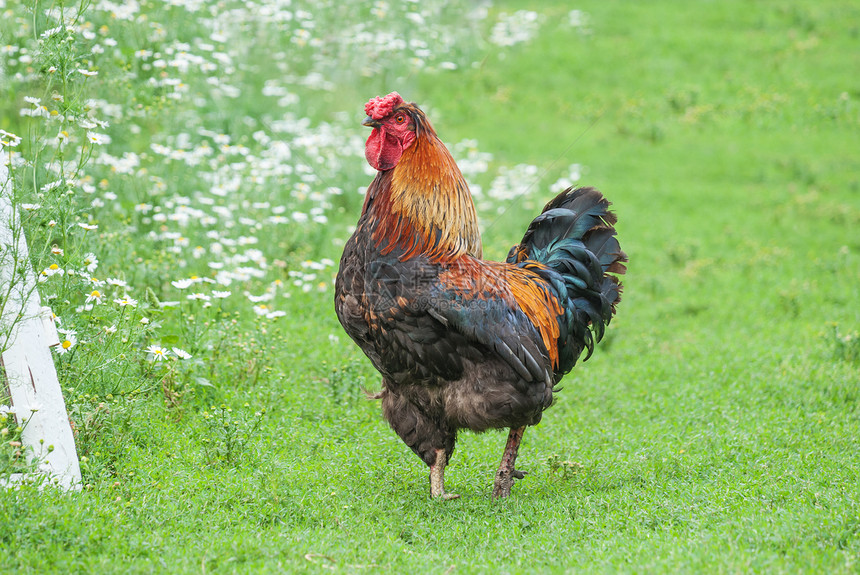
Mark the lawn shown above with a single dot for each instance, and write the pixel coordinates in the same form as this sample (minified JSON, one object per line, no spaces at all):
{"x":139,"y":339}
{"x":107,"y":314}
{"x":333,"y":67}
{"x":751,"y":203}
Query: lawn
{"x":217,"y":149}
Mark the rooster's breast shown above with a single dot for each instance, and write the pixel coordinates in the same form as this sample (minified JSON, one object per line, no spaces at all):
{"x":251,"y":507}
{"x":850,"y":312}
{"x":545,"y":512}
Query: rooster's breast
{"x":349,"y":301}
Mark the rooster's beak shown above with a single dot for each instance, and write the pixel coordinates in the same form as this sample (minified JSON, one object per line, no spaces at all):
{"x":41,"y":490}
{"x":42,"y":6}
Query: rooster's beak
{"x":369,"y":121}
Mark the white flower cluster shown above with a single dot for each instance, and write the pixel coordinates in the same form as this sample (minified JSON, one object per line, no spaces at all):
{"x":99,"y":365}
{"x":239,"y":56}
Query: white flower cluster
{"x":223,"y":199}
{"x":516,"y":28}
{"x":574,"y":174}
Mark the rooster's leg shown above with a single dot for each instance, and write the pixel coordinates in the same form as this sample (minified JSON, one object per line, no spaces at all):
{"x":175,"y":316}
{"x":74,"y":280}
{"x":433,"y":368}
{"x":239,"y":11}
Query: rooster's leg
{"x":506,"y":474}
{"x":437,"y":477}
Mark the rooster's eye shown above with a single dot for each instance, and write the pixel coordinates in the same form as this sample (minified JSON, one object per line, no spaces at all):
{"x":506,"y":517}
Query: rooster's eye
{"x":400,"y":119}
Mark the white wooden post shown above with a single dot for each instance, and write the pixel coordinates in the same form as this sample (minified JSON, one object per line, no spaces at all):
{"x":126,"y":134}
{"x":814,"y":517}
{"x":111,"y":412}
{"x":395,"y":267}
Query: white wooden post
{"x":31,"y":377}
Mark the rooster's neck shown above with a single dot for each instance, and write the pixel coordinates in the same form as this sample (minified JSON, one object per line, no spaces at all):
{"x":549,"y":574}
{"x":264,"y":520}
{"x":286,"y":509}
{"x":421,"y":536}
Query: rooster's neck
{"x":423,"y":205}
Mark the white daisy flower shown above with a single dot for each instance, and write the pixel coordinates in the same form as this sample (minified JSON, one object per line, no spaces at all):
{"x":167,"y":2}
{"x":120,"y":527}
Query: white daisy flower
{"x":8,"y":139}
{"x":157,"y":353}
{"x":98,"y":139}
{"x":68,"y":342}
{"x":125,"y":301}
{"x":181,"y":353}
{"x":182,"y":284}
{"x":91,"y":262}
{"x":94,"y":296}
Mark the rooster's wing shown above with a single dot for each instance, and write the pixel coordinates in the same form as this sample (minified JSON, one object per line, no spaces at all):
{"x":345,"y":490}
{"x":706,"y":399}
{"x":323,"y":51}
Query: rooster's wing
{"x":427,"y":318}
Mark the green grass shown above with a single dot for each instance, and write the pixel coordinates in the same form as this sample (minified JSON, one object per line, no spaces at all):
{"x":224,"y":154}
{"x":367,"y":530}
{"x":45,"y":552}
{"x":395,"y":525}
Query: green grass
{"x":716,"y":427}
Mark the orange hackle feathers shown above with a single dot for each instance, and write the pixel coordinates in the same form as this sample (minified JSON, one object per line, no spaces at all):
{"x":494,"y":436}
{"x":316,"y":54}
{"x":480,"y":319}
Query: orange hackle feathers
{"x":424,"y":206}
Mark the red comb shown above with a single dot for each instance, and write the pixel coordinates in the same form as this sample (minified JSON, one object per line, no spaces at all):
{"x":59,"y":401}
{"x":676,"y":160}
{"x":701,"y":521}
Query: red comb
{"x":379,"y":107}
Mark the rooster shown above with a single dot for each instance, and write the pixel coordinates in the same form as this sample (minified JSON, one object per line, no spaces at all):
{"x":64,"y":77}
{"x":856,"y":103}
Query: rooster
{"x":462,"y":342}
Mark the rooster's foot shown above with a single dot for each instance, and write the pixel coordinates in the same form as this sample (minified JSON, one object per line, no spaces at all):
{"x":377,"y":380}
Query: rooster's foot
{"x":505,"y":481}
{"x":446,"y":496}
{"x":437,"y":478}
{"x":507,"y":473}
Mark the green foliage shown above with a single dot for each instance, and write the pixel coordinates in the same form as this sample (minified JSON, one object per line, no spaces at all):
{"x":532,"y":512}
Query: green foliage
{"x":846,"y":346}
{"x":227,"y":433}
{"x":16,"y":457}
{"x":714,"y":430}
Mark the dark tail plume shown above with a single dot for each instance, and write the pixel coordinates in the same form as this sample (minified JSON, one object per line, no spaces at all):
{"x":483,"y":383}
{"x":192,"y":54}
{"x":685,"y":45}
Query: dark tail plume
{"x":574,"y":237}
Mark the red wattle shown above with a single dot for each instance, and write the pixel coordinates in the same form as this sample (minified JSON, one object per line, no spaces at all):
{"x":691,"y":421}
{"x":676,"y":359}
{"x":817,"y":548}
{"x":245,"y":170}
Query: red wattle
{"x":382,"y":150}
